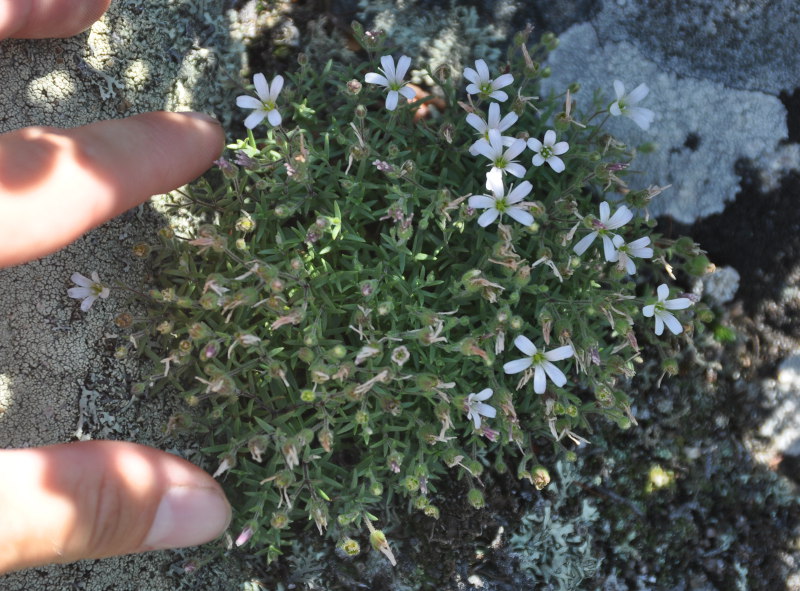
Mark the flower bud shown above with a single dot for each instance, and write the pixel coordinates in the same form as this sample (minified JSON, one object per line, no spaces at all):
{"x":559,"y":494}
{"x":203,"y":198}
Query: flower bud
{"x":306,"y":355}
{"x":475,"y":498}
{"x":280,"y":520}
{"x":670,"y":366}
{"x":124,"y":320}
{"x":360,"y":111}
{"x":308,"y":395}
{"x":377,"y":540}
{"x":141,"y":250}
{"x":540,"y":477}
{"x":353,"y":87}
{"x":349,"y":547}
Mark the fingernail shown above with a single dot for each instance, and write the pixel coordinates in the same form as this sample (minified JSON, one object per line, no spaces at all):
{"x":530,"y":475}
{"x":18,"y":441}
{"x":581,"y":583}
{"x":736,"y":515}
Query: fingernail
{"x":199,"y":116}
{"x":188,"y":516}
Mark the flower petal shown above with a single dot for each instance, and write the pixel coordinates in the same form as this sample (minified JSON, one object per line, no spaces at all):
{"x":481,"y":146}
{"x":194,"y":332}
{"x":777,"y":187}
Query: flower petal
{"x":605,"y":209}
{"x":619,"y":89}
{"x":486,"y":410}
{"x":484,"y":394}
{"x":516,"y":169}
{"x":559,"y":353}
{"x":648,"y":311}
{"x":477,"y":123}
{"x":537,"y":160}
{"x":502,"y":81}
{"x":560,"y":148}
{"x":472,"y":76}
{"x":672,"y":323}
{"x":262,"y":89}
{"x":539,"y":380}
{"x":556,"y":163}
{"x":481,"y":202}
{"x":246,"y":101}
{"x":79,"y":292}
{"x":517,"y":366}
{"x":641,"y":117}
{"x":677,"y":304}
{"x":487,"y":217}
{"x":556,"y":375}
{"x":663,"y":292}
{"x":584,"y":243}
{"x":402,"y":67}
{"x":609,"y":251}
{"x":549,"y":137}
{"x":535,"y":145}
{"x":473,"y":89}
{"x":519,"y":192}
{"x":499,"y":95}
{"x":494,"y":115}
{"x":638,"y":93}
{"x":621,"y":217}
{"x":274,"y":118}
{"x":87,"y":303}
{"x":659,"y":325}
{"x":254,"y":118}
{"x":482,"y":69}
{"x":387,"y":64}
{"x":391,"y":100}
{"x":373,"y":78}
{"x":614,"y":109}
{"x":525,"y":345}
{"x":275,"y":88}
{"x":408,"y":92}
{"x":81,"y":280}
{"x":514,"y":149}
{"x":522,"y":216}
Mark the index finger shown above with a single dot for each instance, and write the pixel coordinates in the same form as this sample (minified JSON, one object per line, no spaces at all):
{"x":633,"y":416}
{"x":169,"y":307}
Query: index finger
{"x":56,"y":184}
{"x":41,"y":19}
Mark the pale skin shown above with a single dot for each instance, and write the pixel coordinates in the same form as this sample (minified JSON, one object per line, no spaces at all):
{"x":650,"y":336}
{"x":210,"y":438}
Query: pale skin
{"x":94,"y":499}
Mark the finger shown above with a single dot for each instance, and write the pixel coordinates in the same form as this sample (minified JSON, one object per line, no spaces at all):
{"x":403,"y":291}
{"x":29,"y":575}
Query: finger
{"x":102,"y":498}
{"x":40,"y":19}
{"x":56,"y":184}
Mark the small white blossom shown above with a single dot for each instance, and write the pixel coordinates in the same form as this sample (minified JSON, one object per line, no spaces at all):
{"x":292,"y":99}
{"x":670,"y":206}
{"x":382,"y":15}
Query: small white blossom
{"x":492,"y":122}
{"x":604,"y":225}
{"x":88,"y":290}
{"x":626,"y":252}
{"x":541,"y":362}
{"x":659,"y":310}
{"x":482,"y":83}
{"x":548,"y":151}
{"x":392,"y":78}
{"x":624,"y":105}
{"x":502,"y":158}
{"x":499,"y":203}
{"x":475,"y":407}
{"x":264,"y":105}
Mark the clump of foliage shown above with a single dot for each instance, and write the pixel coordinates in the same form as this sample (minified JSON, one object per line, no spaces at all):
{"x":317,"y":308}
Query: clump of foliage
{"x":345,"y":317}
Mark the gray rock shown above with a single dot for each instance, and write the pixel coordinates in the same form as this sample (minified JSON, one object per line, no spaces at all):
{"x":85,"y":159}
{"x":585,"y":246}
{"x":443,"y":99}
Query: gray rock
{"x":744,"y":44}
{"x":701,"y":128}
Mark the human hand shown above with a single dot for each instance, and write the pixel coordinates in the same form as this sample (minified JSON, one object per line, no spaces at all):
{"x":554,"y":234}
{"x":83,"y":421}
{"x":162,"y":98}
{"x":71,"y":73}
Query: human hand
{"x":94,"y":499}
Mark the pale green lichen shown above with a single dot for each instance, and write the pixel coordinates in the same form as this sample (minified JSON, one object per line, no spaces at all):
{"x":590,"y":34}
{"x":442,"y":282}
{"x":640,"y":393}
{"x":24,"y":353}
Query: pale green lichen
{"x":438,"y":35}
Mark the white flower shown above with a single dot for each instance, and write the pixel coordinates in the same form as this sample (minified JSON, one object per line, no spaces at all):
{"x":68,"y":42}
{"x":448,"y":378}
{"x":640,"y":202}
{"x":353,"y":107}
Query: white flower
{"x":541,"y":361}
{"x":626,"y":252}
{"x":499,"y":203}
{"x":475,"y":408}
{"x":493,"y":122}
{"x":392,"y":79}
{"x":659,"y":310}
{"x":502,"y":158}
{"x":88,"y":290}
{"x":264,"y":105}
{"x":482,"y":84}
{"x":548,"y":151}
{"x":624,"y":104}
{"x":621,"y":217}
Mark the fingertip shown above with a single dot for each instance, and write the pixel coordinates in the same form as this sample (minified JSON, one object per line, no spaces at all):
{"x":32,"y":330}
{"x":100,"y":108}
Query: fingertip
{"x":41,"y":19}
